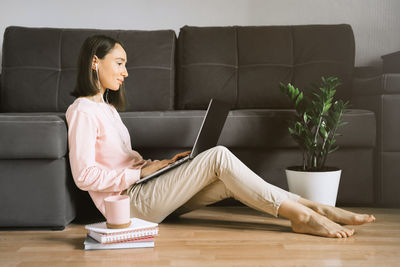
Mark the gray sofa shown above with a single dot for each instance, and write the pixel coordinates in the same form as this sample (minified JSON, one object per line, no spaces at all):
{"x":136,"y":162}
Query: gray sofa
{"x":170,"y":83}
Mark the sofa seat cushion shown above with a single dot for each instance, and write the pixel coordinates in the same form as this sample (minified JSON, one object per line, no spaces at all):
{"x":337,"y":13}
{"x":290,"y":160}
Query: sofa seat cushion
{"x":30,"y":136}
{"x":251,"y":128}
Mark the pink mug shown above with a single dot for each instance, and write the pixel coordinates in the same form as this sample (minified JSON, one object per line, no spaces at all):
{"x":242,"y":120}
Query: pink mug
{"x":117,"y":211}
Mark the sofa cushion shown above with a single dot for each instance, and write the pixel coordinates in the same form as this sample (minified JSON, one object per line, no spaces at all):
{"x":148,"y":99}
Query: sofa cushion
{"x":255,"y":128}
{"x":29,"y":136}
{"x":46,"y":59}
{"x":244,"y":65}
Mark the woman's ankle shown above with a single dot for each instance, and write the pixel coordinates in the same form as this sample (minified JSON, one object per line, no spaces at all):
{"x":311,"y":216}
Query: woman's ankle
{"x":317,"y":207}
{"x":295,"y":211}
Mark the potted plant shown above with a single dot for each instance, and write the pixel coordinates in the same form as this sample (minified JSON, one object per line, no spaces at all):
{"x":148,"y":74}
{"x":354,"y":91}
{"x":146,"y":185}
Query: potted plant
{"x":314,"y":128}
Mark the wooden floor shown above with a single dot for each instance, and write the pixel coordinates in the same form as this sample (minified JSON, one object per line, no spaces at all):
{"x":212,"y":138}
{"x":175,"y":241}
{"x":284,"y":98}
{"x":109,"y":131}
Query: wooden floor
{"x":215,"y":236}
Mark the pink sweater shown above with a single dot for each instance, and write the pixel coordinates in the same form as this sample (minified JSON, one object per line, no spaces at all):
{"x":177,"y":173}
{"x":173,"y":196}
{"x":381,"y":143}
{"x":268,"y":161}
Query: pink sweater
{"x":102,"y":160}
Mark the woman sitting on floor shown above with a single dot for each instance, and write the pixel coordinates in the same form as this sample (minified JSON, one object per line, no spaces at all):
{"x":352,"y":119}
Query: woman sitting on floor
{"x":103,"y":162}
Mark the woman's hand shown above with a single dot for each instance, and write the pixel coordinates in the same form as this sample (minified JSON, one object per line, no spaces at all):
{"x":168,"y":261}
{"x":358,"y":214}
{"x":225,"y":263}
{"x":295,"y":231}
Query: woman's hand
{"x":159,"y":164}
{"x":153,"y":167}
{"x":180,"y":155}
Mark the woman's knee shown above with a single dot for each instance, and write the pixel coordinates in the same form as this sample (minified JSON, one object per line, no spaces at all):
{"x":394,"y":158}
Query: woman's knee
{"x":222,"y":149}
{"x":221,"y":155}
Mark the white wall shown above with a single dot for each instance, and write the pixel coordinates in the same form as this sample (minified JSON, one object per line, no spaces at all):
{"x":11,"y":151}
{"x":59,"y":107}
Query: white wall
{"x":376,"y":23}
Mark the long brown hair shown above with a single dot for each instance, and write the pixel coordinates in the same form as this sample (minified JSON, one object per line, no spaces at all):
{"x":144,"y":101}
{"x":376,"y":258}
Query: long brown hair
{"x":86,"y":80}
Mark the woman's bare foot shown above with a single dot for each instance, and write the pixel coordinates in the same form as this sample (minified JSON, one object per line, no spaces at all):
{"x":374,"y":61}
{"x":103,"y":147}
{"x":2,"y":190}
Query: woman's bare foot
{"x":305,"y":220}
{"x":316,"y":224}
{"x":338,"y":215}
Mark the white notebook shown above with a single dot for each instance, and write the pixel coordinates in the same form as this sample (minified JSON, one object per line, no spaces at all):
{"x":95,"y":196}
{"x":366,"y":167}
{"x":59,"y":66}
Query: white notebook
{"x":136,"y":224}
{"x":91,"y":244}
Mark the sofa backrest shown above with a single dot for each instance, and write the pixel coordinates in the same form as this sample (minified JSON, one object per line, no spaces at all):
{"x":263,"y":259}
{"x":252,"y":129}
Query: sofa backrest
{"x":39,"y":68}
{"x":244,"y":65}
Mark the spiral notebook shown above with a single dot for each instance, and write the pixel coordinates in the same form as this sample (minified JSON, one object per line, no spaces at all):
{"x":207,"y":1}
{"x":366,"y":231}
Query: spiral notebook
{"x":133,"y":236}
{"x":139,"y":229}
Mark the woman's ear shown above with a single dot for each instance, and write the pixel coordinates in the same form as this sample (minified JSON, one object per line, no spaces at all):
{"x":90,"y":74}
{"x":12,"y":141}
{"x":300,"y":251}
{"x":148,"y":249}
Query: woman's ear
{"x":95,"y":61}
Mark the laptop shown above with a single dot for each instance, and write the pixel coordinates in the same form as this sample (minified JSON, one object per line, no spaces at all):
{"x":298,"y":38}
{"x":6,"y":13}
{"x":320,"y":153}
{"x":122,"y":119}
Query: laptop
{"x":207,"y":138}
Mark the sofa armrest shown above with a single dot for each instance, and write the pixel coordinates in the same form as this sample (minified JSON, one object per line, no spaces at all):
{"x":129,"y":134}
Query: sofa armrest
{"x":371,"y":81}
{"x":381,"y":94}
{"x":367,"y":71}
{"x":30,"y":136}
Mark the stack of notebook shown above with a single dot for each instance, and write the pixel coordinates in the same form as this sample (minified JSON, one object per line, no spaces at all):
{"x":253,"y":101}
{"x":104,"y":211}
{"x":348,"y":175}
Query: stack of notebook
{"x":140,"y":234}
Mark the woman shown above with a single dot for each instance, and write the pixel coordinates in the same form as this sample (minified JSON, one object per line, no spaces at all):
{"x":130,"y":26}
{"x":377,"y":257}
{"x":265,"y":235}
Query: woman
{"x":104,"y":164}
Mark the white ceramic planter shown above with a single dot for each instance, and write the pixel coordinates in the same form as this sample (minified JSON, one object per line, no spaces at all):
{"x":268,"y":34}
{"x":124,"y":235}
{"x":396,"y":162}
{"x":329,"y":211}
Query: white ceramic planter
{"x":320,"y":187}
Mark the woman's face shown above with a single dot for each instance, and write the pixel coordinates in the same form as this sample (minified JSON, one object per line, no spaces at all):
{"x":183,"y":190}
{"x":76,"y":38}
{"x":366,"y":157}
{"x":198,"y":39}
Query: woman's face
{"x":112,"y":68}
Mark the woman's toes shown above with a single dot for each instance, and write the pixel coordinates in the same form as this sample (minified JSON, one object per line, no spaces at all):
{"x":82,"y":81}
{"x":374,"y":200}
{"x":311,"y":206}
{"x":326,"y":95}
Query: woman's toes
{"x":350,"y":232}
{"x":343,"y":233}
{"x":346,"y":232}
{"x":363,"y":218}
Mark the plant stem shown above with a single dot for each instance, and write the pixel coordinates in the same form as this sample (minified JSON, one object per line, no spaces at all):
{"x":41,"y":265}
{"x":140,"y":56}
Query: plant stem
{"x":323,"y":154}
{"x":315,"y":143}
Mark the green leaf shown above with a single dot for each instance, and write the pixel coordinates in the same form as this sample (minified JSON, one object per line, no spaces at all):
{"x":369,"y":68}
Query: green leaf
{"x":305,"y":117}
{"x":299,"y":98}
{"x":323,"y":131}
{"x":326,"y":107}
{"x":332,"y":141}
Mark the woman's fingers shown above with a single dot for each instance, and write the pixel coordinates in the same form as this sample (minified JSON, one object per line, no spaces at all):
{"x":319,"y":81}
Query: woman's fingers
{"x":165,"y":163}
{"x":180,"y":155}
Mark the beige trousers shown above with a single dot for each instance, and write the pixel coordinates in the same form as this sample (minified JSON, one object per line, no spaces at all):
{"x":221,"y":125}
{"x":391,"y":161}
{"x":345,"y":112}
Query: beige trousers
{"x":213,"y":175}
